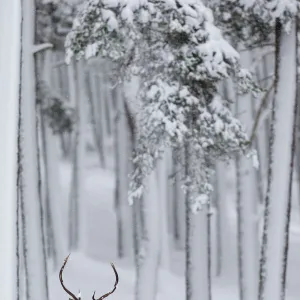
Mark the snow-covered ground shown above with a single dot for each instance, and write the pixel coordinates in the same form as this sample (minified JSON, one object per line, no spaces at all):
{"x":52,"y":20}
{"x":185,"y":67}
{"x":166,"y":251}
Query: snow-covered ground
{"x":91,"y":271}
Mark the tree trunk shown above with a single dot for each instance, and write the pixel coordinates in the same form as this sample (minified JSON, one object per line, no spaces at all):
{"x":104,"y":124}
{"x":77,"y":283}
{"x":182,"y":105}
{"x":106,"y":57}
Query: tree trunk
{"x":10,"y":50}
{"x":197,"y":273}
{"x":146,"y":281}
{"x":179,"y":207}
{"x":277,"y":200}
{"x":31,"y":205}
{"x":102,"y":108}
{"x":297,"y":154}
{"x":247,"y":201}
{"x":122,"y":171}
{"x":77,"y":206}
{"x":292,"y":164}
{"x":53,"y":192}
{"x":93,"y":99}
{"x":223,"y":235}
{"x":163,"y":196}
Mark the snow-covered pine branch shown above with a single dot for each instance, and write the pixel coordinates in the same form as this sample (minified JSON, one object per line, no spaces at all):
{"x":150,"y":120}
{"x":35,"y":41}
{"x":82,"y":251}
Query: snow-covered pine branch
{"x":180,"y":57}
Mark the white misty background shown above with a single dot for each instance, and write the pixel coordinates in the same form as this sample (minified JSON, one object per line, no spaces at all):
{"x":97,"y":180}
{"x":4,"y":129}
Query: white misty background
{"x":160,"y":135}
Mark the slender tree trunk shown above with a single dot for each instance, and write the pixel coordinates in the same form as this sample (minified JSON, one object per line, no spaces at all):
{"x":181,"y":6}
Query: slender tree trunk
{"x":51,"y":157}
{"x":109,"y":104}
{"x":262,"y":134}
{"x":10,"y":51}
{"x":196,"y":249}
{"x":292,"y":163}
{"x":222,"y":217}
{"x":22,"y":279}
{"x":31,"y":206}
{"x":174,"y":199}
{"x":163,"y":185}
{"x":277,"y":201}
{"x":179,"y":199}
{"x":77,"y":207}
{"x":102,"y":107}
{"x":122,"y":171}
{"x":93,"y":99}
{"x":258,"y":171}
{"x":247,"y":201}
{"x":146,"y":281}
{"x":297,"y":154}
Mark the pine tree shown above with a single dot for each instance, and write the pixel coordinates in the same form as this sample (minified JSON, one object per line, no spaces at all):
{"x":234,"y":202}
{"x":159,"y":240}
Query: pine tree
{"x":180,"y":58}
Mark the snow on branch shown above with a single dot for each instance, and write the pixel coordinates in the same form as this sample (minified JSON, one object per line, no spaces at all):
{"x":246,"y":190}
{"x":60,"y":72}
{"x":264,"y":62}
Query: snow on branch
{"x":180,"y":57}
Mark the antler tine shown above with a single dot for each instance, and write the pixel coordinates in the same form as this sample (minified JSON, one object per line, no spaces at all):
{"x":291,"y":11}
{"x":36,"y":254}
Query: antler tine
{"x":115,"y":286}
{"x":61,"y":280}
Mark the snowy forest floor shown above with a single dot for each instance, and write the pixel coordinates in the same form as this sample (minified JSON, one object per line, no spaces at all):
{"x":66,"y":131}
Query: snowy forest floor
{"x":90,"y":270}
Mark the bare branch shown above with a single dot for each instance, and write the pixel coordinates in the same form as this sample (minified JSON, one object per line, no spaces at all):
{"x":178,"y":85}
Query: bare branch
{"x":115,"y":286}
{"x":61,"y":280}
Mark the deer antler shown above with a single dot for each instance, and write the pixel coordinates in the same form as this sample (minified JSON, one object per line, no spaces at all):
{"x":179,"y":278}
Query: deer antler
{"x":72,"y":295}
{"x":62,"y":282}
{"x":115,"y":286}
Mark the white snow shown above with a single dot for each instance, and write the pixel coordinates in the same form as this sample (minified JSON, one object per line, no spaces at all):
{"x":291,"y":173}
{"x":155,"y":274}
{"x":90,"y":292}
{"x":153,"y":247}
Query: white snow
{"x":91,"y":271}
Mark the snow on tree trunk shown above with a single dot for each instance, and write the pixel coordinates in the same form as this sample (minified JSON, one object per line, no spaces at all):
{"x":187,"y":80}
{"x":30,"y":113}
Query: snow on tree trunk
{"x":247,"y":201}
{"x":123,"y":211}
{"x":9,"y":85}
{"x":276,"y":209}
{"x":31,"y":205}
{"x":146,"y":281}
{"x":163,"y":196}
{"x":196,"y":249}
{"x":77,"y":205}
{"x":51,"y":157}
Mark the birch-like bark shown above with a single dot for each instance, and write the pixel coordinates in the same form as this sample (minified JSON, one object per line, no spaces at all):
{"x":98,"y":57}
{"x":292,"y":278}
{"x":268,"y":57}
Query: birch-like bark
{"x":247,"y":202}
{"x":223,"y":235}
{"x":297,"y":154}
{"x":123,"y":212}
{"x":102,"y":106}
{"x":146,"y":281}
{"x":93,"y":100}
{"x":277,"y":201}
{"x":77,"y":204}
{"x":53,"y":192}
{"x":109,"y":102}
{"x":179,"y":199}
{"x":292,"y":164}
{"x":197,"y":261}
{"x":32,"y":211}
{"x":163,"y":196}
{"x":10,"y":51}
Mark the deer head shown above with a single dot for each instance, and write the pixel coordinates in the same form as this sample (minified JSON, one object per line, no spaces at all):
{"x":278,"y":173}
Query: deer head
{"x":79,"y":296}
